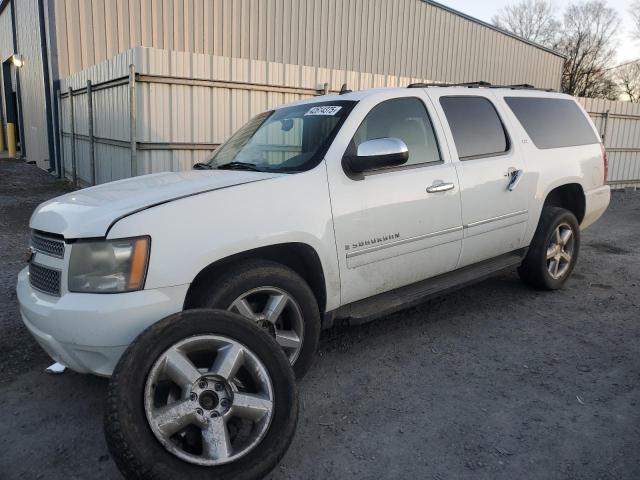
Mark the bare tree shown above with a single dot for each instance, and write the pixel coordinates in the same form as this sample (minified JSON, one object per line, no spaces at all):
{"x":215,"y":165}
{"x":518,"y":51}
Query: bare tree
{"x":634,"y":10}
{"x":532,"y":20}
{"x":628,"y":76}
{"x":585,"y":36}
{"x":588,"y":42}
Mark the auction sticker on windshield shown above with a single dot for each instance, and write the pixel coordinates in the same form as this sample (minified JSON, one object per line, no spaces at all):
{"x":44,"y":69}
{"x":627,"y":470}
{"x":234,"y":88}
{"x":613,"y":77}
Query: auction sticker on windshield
{"x":324,"y":110}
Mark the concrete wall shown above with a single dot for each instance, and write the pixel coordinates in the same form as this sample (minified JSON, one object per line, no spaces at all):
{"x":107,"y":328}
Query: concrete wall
{"x":411,"y":38}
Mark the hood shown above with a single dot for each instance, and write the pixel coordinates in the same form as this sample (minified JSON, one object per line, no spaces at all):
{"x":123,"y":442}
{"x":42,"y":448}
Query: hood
{"x":91,"y":212}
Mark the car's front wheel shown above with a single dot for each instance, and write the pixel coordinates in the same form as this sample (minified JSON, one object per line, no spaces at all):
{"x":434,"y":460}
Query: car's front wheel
{"x":277,"y":299}
{"x":553,"y":251}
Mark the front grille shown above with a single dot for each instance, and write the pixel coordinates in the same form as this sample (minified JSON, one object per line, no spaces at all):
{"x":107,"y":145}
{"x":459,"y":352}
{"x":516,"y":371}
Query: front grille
{"x":47,"y":244}
{"x":45,"y":279}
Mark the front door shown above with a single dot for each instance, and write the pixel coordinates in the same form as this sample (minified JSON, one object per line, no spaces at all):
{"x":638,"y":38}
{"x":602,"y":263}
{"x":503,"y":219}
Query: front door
{"x":392,"y":227}
{"x":494,"y":196}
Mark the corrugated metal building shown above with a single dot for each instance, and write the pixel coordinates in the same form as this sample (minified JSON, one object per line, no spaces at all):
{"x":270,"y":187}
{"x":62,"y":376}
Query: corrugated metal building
{"x":282,"y":48}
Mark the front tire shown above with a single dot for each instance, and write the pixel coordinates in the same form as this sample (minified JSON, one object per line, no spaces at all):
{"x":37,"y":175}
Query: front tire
{"x":553,"y":252}
{"x":201,"y":394}
{"x":277,"y":299}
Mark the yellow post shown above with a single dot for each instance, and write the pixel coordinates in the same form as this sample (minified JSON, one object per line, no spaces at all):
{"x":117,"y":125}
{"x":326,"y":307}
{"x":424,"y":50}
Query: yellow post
{"x":11,"y":139}
{"x":1,"y":138}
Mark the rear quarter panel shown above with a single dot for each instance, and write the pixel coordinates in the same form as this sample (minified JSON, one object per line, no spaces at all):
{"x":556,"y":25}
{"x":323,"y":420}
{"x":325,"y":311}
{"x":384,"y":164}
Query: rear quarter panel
{"x":554,"y":167}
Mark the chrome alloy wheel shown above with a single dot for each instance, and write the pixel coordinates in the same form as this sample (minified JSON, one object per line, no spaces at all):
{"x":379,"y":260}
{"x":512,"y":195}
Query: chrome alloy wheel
{"x":560,"y":251}
{"x":208,"y":400}
{"x":278,"y":313}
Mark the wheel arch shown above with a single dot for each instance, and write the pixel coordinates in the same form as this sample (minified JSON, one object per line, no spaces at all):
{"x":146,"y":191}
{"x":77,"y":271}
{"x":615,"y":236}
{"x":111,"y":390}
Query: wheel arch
{"x":300,"y":257}
{"x":569,"y":196}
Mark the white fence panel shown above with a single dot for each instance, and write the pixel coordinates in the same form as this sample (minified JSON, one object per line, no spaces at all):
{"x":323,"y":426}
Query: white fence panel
{"x":619,"y":126}
{"x":186,"y":104}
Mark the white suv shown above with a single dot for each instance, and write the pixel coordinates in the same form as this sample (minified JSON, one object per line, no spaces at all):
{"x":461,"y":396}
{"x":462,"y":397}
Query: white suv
{"x":341,"y":207}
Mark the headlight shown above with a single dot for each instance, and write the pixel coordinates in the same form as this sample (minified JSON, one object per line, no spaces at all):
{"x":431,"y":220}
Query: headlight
{"x":109,"y":266}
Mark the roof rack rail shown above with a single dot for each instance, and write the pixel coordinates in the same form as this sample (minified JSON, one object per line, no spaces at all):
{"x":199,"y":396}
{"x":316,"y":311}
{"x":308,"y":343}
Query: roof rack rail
{"x":480,"y":83}
{"x":523,"y":86}
{"x":424,"y":85}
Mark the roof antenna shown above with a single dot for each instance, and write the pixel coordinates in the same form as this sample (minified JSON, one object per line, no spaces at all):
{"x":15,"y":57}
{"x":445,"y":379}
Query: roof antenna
{"x":344,"y":89}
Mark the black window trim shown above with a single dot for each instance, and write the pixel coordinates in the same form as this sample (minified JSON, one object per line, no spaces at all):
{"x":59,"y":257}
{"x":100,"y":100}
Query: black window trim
{"x":411,"y":166}
{"x":504,"y":129}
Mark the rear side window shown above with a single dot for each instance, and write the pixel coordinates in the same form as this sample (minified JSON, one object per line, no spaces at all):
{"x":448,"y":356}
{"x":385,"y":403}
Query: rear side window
{"x":552,"y":122}
{"x":476,"y":127}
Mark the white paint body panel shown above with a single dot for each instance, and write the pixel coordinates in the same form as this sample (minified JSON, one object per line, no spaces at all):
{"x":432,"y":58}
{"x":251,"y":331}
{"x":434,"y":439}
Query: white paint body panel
{"x":428,"y":226}
{"x":190,"y":233}
{"x":494,"y":218}
{"x":197,"y":218}
{"x":91,"y":211}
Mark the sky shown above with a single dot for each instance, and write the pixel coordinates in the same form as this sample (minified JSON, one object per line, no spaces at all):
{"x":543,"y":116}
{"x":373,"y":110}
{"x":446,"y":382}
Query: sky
{"x":628,"y":49}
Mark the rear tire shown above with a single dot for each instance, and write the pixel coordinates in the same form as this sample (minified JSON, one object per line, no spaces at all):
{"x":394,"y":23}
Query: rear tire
{"x":263,"y":277}
{"x":553,"y":251}
{"x":133,"y":442}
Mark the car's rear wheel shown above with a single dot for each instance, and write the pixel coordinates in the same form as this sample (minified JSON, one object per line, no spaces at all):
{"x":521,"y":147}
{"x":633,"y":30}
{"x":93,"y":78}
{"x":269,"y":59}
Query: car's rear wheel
{"x":277,"y":299}
{"x":201,"y":394}
{"x":553,"y":251}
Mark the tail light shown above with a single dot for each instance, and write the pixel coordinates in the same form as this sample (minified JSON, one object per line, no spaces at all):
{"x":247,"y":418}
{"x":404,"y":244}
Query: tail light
{"x":605,"y":161}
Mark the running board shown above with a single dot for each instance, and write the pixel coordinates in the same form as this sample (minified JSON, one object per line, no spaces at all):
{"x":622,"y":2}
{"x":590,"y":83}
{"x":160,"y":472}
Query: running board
{"x":386,"y":303}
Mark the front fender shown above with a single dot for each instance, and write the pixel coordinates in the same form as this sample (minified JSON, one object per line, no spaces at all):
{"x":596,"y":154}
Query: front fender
{"x":190,"y":233}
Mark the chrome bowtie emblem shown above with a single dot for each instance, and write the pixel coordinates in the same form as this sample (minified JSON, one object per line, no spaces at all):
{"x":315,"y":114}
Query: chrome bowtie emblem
{"x":28,"y":256}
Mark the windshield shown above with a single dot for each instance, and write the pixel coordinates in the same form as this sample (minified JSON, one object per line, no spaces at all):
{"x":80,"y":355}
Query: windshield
{"x":289,"y":139}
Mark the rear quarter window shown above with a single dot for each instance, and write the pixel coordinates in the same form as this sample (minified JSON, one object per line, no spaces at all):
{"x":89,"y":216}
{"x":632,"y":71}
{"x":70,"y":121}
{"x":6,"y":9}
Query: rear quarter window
{"x":552,"y":122}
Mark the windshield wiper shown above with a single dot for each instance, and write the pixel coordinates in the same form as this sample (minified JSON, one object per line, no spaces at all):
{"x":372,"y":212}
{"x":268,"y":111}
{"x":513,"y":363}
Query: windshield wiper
{"x":202,"y":166}
{"x":239,"y":166}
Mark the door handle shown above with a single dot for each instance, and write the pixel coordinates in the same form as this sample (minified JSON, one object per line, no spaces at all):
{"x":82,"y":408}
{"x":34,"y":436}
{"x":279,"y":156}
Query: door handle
{"x":440,"y":187}
{"x":514,"y":178}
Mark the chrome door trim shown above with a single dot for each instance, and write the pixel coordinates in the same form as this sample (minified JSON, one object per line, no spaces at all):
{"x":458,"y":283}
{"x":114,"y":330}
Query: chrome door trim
{"x":495,"y":219}
{"x":402,"y":242}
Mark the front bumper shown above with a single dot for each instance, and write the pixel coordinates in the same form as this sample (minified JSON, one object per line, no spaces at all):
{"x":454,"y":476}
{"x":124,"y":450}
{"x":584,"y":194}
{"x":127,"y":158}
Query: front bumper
{"x":89,"y":332}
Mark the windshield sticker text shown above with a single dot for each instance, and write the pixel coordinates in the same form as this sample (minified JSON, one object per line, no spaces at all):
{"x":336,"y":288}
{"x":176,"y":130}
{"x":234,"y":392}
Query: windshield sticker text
{"x":324,"y":110}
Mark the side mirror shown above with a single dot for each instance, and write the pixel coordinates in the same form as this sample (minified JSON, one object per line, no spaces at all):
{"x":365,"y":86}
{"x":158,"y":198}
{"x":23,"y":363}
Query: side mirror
{"x":376,"y":153}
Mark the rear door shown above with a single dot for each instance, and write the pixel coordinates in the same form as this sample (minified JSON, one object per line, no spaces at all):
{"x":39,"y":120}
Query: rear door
{"x":491,"y":170}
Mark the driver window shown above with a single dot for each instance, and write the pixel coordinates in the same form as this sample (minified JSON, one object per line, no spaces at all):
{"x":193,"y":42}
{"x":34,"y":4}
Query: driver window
{"x":406,"y":119}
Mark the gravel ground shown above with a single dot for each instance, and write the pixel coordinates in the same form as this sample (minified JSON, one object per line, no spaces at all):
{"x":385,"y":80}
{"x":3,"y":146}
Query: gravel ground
{"x":496,"y":381}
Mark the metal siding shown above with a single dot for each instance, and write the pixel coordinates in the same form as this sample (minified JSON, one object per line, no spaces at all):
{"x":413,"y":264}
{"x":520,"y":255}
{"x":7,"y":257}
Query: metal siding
{"x":32,"y":101}
{"x":622,"y":138}
{"x":206,"y":114}
{"x":6,"y":50}
{"x":404,"y":37}
{"x":6,"y":35}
